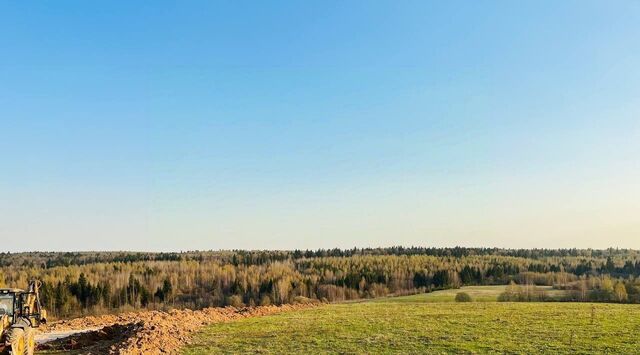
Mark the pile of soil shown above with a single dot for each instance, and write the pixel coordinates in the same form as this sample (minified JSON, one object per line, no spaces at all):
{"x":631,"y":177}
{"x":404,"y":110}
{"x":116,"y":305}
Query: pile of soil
{"x":92,"y":342}
{"x":151,"y":332}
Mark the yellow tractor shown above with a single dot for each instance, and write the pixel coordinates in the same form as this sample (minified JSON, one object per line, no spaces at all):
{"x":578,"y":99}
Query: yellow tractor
{"x":20,"y":313}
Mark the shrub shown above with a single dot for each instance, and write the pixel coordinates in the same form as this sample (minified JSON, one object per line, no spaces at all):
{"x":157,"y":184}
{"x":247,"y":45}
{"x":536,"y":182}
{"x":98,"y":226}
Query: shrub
{"x":235,"y":301}
{"x":303,"y":300}
{"x":265,"y":300}
{"x":463,"y":297}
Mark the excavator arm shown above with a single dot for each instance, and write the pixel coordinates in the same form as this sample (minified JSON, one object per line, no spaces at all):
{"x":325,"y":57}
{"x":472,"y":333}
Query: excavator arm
{"x":31,"y":306}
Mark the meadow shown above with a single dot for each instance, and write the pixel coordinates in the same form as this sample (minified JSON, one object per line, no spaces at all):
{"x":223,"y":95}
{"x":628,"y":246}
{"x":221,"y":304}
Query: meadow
{"x":433,"y":323}
{"x":477,"y":293}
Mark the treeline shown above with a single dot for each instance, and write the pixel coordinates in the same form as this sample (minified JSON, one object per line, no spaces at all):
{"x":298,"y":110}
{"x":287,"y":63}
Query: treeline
{"x":53,"y":259}
{"x":68,"y":296}
{"x":109,"y":282}
{"x":259,"y":257}
{"x":584,"y":289}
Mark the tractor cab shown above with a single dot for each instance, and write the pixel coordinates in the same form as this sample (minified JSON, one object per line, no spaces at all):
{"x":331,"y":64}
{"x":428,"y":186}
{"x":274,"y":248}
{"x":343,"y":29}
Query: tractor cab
{"x":8,"y":301}
{"x":16,"y":303}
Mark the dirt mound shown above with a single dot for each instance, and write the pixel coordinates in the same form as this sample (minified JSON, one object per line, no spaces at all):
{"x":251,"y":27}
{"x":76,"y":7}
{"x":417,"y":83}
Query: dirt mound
{"x":152,"y":332}
{"x":95,"y":321}
{"x":93,"y":342}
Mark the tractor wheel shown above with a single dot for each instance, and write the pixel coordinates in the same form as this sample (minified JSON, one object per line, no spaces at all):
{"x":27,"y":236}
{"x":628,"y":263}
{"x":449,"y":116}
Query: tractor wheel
{"x":15,"y":337}
{"x":30,"y":341}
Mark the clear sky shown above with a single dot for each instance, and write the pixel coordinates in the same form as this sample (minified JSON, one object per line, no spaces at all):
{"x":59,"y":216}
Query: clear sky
{"x":152,"y":125}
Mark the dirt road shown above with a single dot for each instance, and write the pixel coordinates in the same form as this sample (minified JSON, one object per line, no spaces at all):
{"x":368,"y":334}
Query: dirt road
{"x":42,"y":338}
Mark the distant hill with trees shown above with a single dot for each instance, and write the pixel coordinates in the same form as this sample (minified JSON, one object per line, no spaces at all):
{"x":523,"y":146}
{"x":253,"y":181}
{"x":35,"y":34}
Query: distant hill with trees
{"x":100,"y":282}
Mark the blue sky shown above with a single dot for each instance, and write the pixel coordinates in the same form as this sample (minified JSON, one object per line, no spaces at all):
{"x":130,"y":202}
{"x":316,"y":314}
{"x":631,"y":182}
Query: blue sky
{"x":207,"y":125}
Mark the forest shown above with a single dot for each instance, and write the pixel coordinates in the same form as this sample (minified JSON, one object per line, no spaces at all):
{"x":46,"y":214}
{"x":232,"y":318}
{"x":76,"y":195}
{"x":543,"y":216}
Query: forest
{"x":107,"y":282}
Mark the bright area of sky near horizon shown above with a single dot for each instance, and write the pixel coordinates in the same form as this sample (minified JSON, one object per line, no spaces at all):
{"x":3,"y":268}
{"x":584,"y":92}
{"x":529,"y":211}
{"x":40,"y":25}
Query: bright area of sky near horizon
{"x":153,"y":125}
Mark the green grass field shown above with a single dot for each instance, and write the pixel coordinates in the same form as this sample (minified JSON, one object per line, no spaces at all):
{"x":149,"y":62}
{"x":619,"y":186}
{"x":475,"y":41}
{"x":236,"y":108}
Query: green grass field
{"x":477,"y":293}
{"x":429,"y":323}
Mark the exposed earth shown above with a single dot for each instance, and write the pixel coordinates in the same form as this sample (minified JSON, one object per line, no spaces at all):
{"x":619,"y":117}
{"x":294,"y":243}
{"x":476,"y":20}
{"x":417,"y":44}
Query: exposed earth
{"x":148,"y":332}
